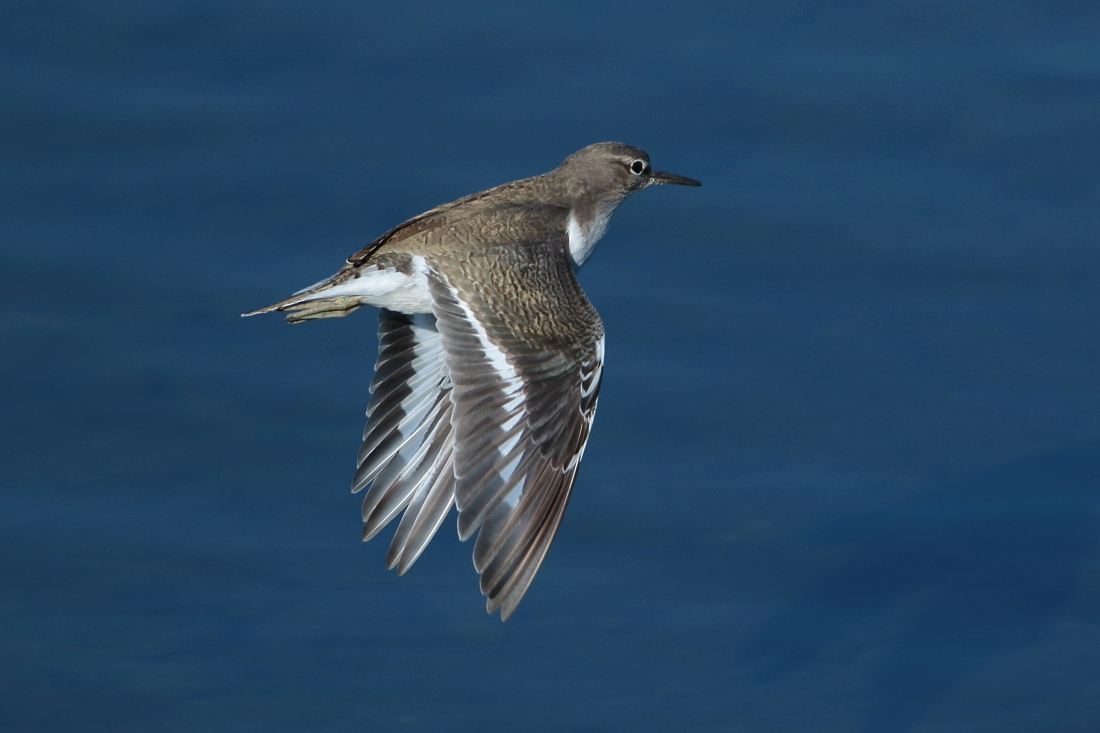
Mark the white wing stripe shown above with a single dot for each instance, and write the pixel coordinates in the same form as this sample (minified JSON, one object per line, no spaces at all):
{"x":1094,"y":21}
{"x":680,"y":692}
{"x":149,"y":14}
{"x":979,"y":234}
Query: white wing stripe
{"x":496,"y":358}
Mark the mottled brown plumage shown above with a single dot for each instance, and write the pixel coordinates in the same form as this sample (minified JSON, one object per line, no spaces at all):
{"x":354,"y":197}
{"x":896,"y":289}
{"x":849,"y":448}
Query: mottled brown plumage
{"x":490,"y":361}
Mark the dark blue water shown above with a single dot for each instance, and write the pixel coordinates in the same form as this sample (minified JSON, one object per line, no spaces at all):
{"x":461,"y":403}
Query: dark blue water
{"x":846,"y":471}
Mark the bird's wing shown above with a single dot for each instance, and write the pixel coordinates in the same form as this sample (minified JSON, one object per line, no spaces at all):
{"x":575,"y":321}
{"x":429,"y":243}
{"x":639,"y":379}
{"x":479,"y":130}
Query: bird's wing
{"x":524,"y":350}
{"x":408,"y":445}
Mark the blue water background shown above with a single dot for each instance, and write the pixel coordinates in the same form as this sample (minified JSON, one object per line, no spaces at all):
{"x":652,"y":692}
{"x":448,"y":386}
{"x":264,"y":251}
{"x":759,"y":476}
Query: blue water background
{"x":846,"y":470}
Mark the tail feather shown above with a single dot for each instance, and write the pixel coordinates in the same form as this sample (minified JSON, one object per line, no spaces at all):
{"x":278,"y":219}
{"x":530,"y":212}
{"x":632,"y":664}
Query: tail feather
{"x":305,"y":307}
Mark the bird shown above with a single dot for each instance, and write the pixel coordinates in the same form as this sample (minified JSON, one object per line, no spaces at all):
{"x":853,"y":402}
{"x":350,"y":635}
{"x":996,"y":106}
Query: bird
{"x":490,"y":361}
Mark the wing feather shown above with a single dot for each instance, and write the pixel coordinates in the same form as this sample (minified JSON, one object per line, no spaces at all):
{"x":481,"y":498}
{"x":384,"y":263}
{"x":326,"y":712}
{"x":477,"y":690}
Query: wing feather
{"x":407,"y":453}
{"x":524,"y":350}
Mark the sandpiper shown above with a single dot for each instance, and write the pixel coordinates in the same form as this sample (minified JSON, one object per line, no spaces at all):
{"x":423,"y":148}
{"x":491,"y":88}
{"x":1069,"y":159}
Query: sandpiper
{"x":490,"y":361}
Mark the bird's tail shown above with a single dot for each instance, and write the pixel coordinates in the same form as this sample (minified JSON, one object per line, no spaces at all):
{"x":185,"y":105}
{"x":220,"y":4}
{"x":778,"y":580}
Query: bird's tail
{"x":305,"y":305}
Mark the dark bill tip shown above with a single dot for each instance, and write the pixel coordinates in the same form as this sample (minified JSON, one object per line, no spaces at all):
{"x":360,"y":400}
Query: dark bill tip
{"x":662,"y":177}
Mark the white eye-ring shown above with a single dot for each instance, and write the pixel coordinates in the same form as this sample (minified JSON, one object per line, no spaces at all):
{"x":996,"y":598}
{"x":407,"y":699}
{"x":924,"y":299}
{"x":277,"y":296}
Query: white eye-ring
{"x":638,"y":167}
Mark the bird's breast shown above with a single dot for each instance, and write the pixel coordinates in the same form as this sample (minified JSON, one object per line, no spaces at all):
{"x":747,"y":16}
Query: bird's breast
{"x":584,"y":232}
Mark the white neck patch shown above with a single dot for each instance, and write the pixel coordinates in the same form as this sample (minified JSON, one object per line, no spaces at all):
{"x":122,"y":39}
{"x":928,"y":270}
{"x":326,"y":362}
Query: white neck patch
{"x":582,"y":240}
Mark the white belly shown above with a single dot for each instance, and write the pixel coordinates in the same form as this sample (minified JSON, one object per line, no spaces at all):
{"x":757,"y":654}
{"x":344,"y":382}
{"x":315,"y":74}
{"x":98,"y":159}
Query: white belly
{"x":386,"y":288}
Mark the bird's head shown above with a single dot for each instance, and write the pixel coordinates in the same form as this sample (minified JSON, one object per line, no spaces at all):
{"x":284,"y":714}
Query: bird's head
{"x":612,"y":171}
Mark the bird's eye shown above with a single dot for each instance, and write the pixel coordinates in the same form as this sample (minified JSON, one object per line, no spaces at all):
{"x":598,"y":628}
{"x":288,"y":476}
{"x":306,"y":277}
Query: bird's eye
{"x":638,"y":167}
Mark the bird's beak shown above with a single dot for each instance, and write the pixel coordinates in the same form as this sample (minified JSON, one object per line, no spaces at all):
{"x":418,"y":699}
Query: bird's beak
{"x":659,"y":177}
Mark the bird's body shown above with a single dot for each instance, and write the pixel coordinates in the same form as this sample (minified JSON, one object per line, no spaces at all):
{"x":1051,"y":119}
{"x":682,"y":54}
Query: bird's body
{"x":490,"y":360}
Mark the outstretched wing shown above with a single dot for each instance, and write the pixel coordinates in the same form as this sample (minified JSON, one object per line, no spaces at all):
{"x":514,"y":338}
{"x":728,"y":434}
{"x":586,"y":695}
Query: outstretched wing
{"x":524,"y":350}
{"x":407,"y":451}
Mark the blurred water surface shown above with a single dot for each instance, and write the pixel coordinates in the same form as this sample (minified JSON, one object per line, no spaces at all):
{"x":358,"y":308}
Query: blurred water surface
{"x":846,"y":472}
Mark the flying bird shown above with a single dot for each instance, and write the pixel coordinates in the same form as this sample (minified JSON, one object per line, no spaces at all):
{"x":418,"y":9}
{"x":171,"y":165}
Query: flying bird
{"x":490,"y":360}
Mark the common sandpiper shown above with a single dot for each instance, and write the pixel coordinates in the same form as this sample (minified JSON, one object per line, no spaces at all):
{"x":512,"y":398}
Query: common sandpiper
{"x":490,"y":361}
